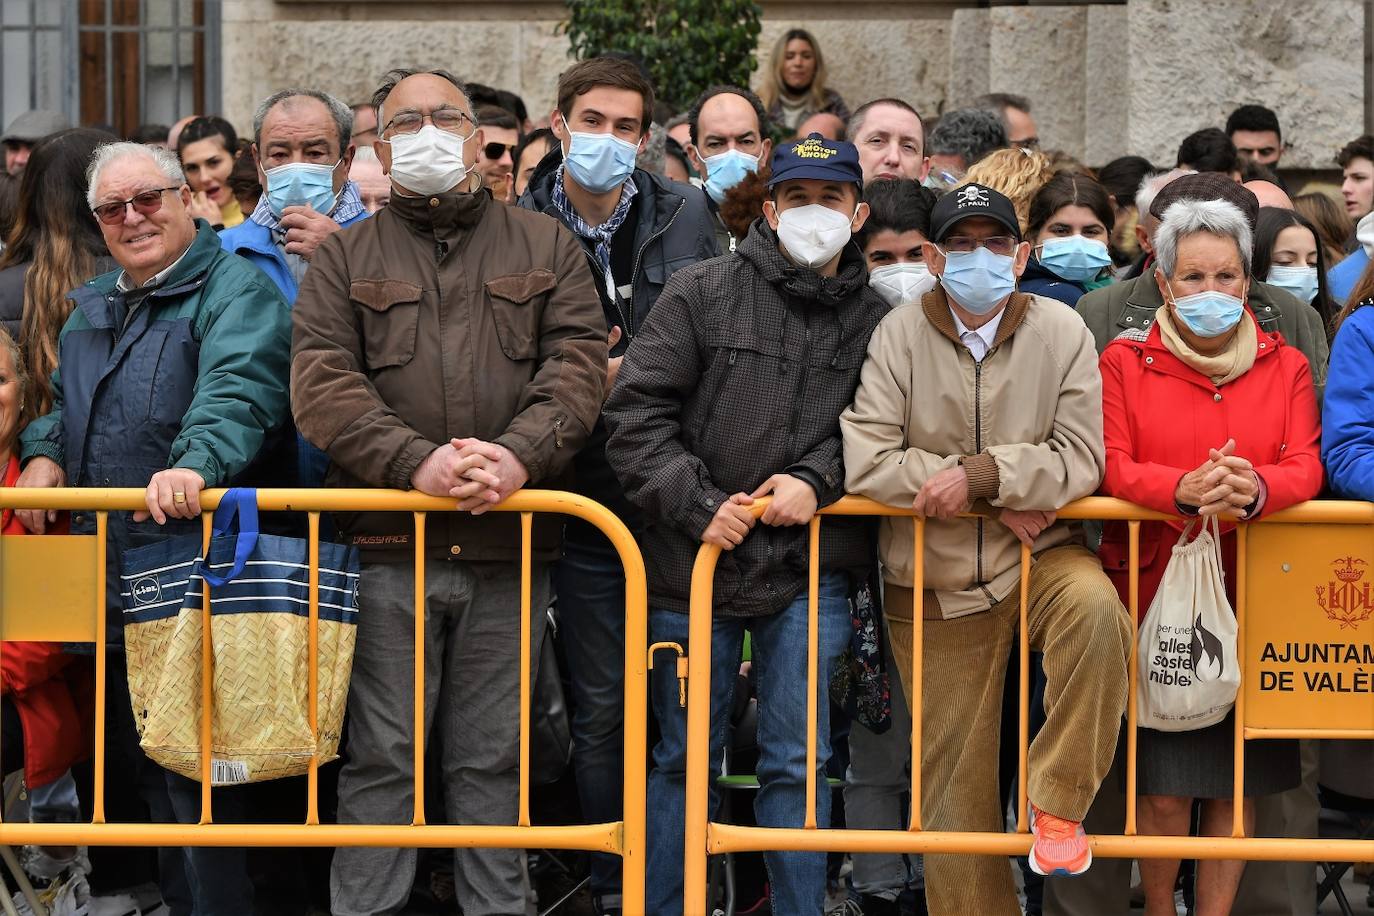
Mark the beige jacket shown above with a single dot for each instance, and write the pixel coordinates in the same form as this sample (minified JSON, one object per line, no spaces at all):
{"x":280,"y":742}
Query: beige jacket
{"x":1026,"y":424}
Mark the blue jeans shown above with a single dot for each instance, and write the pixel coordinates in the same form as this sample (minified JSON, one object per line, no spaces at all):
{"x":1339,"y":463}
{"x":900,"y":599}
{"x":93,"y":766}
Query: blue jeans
{"x":796,"y":879}
{"x":590,"y":583}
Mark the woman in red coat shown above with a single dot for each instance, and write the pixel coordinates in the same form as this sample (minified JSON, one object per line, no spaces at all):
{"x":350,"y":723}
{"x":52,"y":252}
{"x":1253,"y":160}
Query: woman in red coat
{"x":1203,"y":414}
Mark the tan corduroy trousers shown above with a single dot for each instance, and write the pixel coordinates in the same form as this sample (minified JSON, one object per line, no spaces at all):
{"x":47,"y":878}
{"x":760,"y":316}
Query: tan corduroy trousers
{"x":1078,"y":623}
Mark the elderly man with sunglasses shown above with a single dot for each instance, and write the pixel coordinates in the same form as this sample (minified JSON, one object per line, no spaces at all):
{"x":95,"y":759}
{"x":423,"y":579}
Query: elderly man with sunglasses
{"x":979,"y":399}
{"x":173,"y":377}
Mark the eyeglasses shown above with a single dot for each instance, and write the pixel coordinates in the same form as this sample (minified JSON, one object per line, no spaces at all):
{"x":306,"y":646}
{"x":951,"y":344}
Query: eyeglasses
{"x":962,"y":244}
{"x":497,"y":150}
{"x":408,"y":122}
{"x":145,"y":202}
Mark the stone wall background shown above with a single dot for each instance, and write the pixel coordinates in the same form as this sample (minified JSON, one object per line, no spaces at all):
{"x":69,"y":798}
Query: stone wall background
{"x":1105,"y":79}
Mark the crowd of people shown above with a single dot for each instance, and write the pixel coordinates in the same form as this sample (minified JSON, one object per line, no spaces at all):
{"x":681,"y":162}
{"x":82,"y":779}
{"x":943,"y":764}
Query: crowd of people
{"x":680,"y":314}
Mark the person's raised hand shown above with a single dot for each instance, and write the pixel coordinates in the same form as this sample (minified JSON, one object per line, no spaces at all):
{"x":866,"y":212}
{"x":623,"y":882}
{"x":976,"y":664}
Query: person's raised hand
{"x":173,"y":493}
{"x":732,"y":521}
{"x":944,"y":495}
{"x":305,"y":229}
{"x":40,"y":472}
{"x":202,"y":207}
{"x":794,"y":501}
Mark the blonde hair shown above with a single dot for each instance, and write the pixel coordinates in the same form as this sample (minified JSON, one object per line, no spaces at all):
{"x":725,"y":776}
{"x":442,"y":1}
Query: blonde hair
{"x":1015,"y":172}
{"x":774,"y":88}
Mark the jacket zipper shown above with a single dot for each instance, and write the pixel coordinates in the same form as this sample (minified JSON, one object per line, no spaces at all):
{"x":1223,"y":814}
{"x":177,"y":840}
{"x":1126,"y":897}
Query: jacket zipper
{"x":634,"y":271}
{"x":715,"y":396}
{"x":977,"y":449}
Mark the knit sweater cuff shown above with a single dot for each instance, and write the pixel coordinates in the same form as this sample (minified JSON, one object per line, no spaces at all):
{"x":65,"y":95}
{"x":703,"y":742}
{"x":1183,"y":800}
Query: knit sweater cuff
{"x":984,"y":480}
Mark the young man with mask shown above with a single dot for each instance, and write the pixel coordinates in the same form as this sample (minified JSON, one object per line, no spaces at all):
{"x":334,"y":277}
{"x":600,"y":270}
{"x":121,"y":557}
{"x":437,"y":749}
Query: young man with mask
{"x":454,"y":346}
{"x":733,"y":392}
{"x":979,"y":399}
{"x":637,"y":228}
{"x":729,"y":140}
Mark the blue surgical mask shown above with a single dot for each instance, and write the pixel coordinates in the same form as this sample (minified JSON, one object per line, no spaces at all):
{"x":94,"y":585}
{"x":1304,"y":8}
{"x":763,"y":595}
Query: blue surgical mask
{"x":978,"y":280}
{"x":1209,"y":313}
{"x":1300,"y":281}
{"x":600,"y":162}
{"x":727,"y":169}
{"x":298,"y":183}
{"x":1074,"y":257}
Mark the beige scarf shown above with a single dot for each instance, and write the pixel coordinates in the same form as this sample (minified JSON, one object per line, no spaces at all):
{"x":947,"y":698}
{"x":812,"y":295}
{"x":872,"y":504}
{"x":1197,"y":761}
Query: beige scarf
{"x":1226,"y":366}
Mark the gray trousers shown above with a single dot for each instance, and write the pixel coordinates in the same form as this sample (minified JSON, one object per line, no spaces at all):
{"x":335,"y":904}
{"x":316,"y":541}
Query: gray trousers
{"x":1266,"y":889}
{"x":875,"y":787}
{"x":472,"y":671}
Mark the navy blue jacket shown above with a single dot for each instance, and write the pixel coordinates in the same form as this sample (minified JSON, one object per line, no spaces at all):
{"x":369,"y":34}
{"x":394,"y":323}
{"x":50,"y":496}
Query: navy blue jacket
{"x":1039,"y":280}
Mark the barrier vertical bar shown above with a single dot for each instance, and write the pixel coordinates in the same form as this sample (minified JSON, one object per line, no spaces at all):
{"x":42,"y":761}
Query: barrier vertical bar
{"x":102,"y":520}
{"x":206,"y":678}
{"x":1133,"y":669}
{"x":1023,"y":701}
{"x":698,"y":730}
{"x":918,"y":612}
{"x":312,"y":803}
{"x":813,"y":587}
{"x":418,"y":818}
{"x":526,"y":527}
{"x":1238,"y":788}
{"x":633,"y":829}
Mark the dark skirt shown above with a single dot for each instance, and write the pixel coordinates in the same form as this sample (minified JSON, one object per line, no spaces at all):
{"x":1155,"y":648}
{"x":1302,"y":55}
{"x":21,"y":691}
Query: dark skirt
{"x":1201,"y":764}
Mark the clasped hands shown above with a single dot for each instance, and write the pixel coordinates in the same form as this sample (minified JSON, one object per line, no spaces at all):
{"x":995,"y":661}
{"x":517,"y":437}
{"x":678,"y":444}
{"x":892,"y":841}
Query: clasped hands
{"x":1224,"y":485}
{"x":794,"y":503}
{"x":476,"y":473}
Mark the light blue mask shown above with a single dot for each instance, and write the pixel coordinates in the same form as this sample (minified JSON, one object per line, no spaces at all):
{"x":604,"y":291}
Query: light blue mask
{"x":1210,"y":313}
{"x":1074,"y":257}
{"x":600,"y":162}
{"x":978,"y":280}
{"x":727,"y":169}
{"x":1300,"y":281}
{"x":298,"y":183}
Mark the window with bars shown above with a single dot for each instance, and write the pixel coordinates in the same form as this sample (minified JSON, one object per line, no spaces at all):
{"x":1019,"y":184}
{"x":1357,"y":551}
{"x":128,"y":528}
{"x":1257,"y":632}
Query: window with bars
{"x":119,"y":63}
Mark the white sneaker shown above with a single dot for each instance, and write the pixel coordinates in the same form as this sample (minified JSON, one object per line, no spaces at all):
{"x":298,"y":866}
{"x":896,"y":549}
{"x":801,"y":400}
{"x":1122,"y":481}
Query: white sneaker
{"x":114,"y":905}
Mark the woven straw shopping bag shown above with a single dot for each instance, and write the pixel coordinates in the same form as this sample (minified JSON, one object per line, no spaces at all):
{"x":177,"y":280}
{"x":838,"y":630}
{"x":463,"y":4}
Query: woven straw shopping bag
{"x":259,"y":604}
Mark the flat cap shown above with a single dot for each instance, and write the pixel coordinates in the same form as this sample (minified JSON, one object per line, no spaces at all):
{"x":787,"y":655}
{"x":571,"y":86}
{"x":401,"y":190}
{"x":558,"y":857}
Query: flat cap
{"x":1206,"y":186}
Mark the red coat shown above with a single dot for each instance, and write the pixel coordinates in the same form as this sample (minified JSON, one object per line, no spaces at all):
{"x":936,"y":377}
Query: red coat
{"x":52,"y":691}
{"x":1160,"y":418}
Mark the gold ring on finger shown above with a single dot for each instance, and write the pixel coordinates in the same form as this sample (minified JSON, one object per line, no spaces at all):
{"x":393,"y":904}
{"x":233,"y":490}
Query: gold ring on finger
{"x":178,"y":498}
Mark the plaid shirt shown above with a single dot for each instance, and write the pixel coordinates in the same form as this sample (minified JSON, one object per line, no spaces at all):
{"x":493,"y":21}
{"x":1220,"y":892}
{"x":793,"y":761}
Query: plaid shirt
{"x":599,"y":236}
{"x":350,"y":204}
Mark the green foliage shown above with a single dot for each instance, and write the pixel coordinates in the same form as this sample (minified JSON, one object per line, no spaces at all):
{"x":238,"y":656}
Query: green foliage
{"x":688,"y":45}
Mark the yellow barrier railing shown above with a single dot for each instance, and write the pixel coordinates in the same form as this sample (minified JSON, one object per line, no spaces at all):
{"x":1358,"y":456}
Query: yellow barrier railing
{"x":28,"y":614}
{"x":704,"y":837}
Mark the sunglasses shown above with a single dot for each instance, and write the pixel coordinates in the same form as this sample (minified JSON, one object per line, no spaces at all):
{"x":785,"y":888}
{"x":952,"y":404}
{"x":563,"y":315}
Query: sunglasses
{"x":497,"y":150}
{"x":145,"y":202}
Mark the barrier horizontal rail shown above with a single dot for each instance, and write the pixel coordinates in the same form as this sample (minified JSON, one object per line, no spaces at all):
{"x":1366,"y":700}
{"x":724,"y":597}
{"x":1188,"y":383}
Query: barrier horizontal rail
{"x":625,"y":838}
{"x":704,"y":837}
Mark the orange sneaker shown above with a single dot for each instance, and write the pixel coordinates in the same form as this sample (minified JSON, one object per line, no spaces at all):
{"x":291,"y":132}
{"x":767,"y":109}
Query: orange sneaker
{"x":1060,"y":847}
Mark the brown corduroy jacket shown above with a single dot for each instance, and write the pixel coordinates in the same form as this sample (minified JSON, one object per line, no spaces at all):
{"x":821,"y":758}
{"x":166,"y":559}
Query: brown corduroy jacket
{"x":1026,"y":424}
{"x":447,"y":316}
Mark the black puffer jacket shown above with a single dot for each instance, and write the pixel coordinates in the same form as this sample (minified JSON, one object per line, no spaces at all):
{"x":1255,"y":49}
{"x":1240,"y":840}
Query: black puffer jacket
{"x":741,"y":372}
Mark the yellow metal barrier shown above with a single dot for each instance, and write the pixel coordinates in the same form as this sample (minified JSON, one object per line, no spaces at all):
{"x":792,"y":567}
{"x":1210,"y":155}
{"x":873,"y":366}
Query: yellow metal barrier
{"x":31,"y":587}
{"x":1280,"y":558}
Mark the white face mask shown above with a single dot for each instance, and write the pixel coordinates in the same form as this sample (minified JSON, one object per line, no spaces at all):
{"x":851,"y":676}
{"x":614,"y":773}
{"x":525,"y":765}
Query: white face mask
{"x":429,"y":161}
{"x":813,"y":234}
{"x":899,"y":283}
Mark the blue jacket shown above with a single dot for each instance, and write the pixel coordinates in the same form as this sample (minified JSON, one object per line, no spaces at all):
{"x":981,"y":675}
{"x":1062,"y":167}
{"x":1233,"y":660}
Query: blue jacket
{"x":1342,"y":278}
{"x":1348,"y":413}
{"x":1039,"y":280}
{"x":254,"y":242}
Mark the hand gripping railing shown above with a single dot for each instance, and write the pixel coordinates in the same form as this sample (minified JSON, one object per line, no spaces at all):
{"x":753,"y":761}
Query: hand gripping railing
{"x":35,"y":615}
{"x":704,"y":837}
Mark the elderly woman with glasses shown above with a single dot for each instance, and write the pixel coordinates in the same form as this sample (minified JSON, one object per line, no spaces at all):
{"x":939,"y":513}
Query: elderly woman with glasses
{"x":172,"y":374}
{"x":1204,"y":414}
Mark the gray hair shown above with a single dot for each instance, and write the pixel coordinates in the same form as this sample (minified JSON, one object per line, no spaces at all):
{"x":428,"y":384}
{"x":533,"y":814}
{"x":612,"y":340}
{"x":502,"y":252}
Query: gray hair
{"x":1186,"y":218}
{"x":1151,"y":185}
{"x":165,"y":160}
{"x":393,"y":77}
{"x":970,"y":133}
{"x":341,"y":113}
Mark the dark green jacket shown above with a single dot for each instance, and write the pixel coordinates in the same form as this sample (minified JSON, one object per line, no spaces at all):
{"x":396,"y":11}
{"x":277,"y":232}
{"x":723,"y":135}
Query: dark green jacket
{"x":1131,"y":305}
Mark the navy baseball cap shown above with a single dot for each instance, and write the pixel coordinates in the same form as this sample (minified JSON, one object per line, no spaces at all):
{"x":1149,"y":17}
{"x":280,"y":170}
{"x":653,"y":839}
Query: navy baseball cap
{"x":968,"y":201}
{"x":818,"y":159}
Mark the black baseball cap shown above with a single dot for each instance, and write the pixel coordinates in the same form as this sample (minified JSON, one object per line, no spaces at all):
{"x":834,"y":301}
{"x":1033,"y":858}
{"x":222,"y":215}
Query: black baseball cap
{"x":818,"y":159}
{"x":968,"y":201}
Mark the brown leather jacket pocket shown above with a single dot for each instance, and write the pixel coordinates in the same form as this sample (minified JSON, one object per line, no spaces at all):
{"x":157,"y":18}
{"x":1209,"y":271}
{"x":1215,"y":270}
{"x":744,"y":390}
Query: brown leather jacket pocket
{"x":516,"y":312}
{"x":390,"y":319}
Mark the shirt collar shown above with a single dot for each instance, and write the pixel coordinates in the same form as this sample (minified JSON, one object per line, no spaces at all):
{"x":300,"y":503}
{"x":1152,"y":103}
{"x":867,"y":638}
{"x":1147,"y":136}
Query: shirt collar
{"x":347,"y":207}
{"x":987,"y":332}
{"x":125,"y":285}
